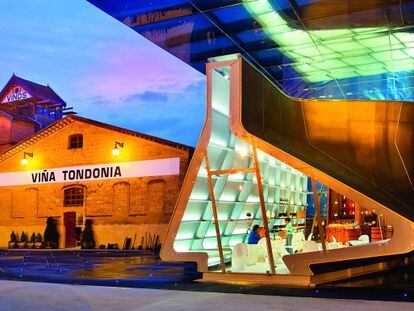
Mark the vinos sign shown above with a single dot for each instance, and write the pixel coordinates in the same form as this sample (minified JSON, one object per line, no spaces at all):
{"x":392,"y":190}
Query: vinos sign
{"x":14,"y":94}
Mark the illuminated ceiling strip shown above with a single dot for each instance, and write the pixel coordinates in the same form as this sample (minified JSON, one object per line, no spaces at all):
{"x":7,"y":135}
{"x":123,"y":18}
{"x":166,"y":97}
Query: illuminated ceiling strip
{"x":321,"y":55}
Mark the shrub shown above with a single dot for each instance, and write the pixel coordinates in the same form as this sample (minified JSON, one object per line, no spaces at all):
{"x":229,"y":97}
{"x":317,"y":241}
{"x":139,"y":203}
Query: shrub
{"x":33,"y":238}
{"x":13,"y":240}
{"x":23,"y":238}
{"x":13,"y":237}
{"x":88,"y":241}
{"x":38,"y":237}
{"x":51,"y":235}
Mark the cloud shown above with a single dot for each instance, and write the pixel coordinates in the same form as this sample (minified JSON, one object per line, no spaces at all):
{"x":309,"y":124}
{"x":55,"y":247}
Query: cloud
{"x":126,"y":69}
{"x":105,"y":70}
{"x":148,"y":96}
{"x":176,"y":116}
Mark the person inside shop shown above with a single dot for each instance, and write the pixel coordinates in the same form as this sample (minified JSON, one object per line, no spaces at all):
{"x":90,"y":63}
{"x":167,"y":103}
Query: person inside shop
{"x":248,"y":221}
{"x":254,"y":236}
{"x":289,"y":235}
{"x":261,"y":232}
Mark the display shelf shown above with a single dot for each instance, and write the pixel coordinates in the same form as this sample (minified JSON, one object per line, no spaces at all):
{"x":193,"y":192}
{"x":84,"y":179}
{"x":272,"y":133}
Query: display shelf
{"x":211,"y":236}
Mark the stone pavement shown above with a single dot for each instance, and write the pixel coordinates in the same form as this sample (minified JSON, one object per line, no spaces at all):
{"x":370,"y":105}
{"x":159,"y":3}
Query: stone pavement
{"x":19,"y":296}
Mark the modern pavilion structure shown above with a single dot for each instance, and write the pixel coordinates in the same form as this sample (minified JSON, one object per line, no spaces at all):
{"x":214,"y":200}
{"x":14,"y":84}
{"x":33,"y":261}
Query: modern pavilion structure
{"x":299,"y":94}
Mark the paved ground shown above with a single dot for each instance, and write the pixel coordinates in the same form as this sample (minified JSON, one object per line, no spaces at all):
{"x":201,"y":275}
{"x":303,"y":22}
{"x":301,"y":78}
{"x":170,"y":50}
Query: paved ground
{"x":145,"y":270}
{"x":98,"y":267}
{"x":17,"y":296}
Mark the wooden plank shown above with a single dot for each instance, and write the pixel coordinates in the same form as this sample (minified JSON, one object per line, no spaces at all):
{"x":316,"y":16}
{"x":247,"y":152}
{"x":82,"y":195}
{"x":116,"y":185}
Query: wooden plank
{"x":233,"y":171}
{"x":318,"y":215}
{"x":215,"y":215}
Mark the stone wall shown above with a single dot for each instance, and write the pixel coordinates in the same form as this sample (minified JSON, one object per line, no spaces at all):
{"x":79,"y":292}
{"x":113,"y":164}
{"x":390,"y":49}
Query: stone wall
{"x":118,"y":207}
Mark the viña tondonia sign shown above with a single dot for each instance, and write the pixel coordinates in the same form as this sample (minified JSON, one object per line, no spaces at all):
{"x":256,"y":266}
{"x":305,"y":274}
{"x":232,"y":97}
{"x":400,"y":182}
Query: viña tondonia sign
{"x":78,"y":174}
{"x":160,"y":167}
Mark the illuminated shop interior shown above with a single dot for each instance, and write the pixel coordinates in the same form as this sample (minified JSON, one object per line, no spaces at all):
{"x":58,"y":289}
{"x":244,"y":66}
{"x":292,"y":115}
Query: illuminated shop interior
{"x":237,"y":195}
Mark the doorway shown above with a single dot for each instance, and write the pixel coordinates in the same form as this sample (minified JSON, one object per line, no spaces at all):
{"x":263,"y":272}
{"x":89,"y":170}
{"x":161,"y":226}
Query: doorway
{"x":69,"y":219}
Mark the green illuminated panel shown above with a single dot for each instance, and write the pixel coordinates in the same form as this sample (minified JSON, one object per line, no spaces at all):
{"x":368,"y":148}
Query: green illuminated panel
{"x":336,"y":53}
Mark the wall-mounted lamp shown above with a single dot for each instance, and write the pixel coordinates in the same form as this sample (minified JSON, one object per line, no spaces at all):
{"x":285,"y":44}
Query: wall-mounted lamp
{"x":115,"y":151}
{"x":24,"y":161}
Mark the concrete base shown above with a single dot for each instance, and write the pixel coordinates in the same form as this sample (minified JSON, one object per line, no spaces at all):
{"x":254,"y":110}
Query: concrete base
{"x":255,"y":278}
{"x":284,"y":278}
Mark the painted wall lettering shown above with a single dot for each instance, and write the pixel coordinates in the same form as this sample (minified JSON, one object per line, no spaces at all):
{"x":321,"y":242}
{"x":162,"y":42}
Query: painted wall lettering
{"x":160,"y":167}
{"x":16,"y":93}
{"x":96,"y":173}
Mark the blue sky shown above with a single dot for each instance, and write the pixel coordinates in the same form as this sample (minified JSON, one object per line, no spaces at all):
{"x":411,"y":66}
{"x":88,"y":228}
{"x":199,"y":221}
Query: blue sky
{"x":103,"y":69}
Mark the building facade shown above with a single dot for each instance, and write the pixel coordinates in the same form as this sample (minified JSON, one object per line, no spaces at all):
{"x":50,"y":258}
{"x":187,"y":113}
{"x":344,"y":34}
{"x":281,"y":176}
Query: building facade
{"x":25,"y":108}
{"x":77,"y":169}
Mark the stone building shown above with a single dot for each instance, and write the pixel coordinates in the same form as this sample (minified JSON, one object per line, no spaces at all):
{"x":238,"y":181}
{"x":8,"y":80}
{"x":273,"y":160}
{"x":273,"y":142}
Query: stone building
{"x":74,"y":169}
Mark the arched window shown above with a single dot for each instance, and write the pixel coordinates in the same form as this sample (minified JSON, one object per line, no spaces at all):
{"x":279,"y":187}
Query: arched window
{"x":31,"y":202}
{"x":156,"y":198}
{"x":75,"y":141}
{"x":121,"y":198}
{"x":73,"y":196}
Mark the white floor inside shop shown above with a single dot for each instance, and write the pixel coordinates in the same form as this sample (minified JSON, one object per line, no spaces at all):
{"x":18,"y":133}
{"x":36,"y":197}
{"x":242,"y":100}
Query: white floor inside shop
{"x":252,"y":258}
{"x":19,"y":296}
{"x":259,"y":267}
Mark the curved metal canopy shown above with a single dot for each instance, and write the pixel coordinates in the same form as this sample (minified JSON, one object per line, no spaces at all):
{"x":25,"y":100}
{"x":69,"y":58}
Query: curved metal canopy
{"x":309,"y":48}
{"x":323,"y":49}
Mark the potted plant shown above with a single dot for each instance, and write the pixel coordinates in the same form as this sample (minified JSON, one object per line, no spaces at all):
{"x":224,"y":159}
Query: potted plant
{"x":51,"y":235}
{"x":23,"y":240}
{"x":38,"y":241}
{"x":88,"y":241}
{"x":13,"y":240}
{"x":32,"y":240}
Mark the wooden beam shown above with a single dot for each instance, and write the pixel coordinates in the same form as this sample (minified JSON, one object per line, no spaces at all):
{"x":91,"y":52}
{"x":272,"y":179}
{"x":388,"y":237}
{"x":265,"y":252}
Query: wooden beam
{"x":263,"y":209}
{"x":318,"y":215}
{"x":215,"y":215}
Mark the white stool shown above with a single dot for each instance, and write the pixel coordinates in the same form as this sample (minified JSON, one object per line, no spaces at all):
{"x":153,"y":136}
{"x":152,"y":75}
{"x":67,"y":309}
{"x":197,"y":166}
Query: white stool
{"x":239,"y":257}
{"x":251,"y":254}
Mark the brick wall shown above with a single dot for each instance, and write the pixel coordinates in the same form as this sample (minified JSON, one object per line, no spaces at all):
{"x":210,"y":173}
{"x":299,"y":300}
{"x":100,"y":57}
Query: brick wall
{"x":5,"y":128}
{"x":21,"y":130}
